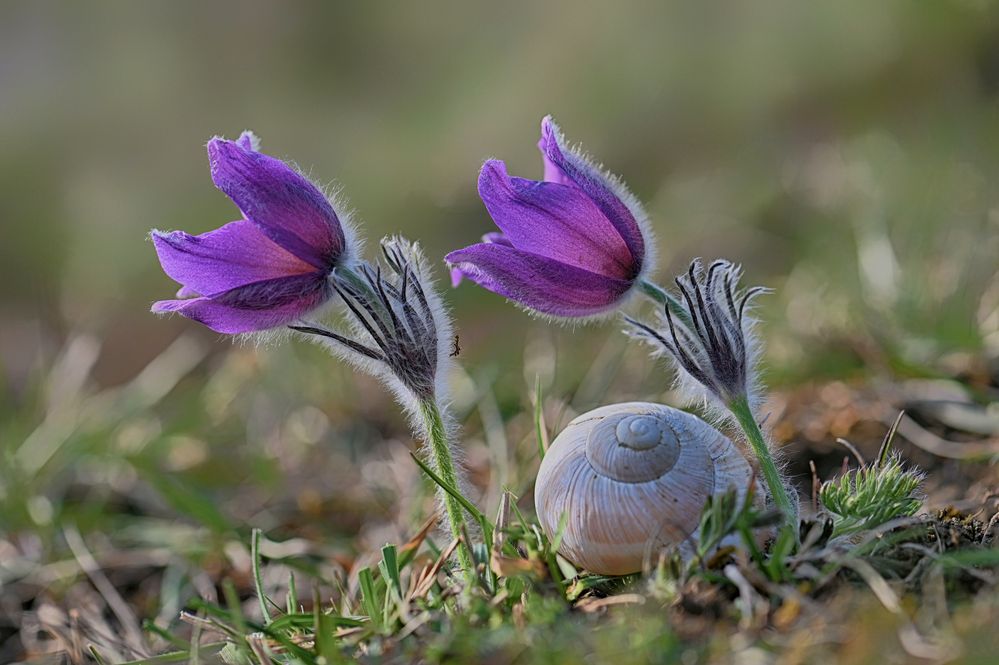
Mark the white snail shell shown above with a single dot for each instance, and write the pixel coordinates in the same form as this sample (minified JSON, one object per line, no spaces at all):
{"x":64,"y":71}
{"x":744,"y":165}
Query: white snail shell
{"x":632,"y":480}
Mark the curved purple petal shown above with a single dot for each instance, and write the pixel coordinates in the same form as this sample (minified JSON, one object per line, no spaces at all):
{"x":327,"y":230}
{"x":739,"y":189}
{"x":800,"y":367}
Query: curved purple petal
{"x":288,"y":208}
{"x":253,"y":307}
{"x":592,"y":182}
{"x":556,"y":221}
{"x":493,"y":237}
{"x":233,"y":255}
{"x":537,"y":282}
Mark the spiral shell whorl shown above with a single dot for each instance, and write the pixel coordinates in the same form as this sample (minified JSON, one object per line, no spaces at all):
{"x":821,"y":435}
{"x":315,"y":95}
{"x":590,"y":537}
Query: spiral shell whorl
{"x":639,"y":432}
{"x":632,"y":447}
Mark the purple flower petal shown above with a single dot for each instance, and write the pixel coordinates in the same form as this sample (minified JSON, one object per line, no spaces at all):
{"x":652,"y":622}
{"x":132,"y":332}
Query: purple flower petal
{"x":538,"y":282}
{"x":253,"y":307}
{"x":556,"y":221}
{"x":234,"y":255}
{"x":288,"y":208}
{"x":592,"y":182}
{"x":493,"y":236}
{"x":552,"y":173}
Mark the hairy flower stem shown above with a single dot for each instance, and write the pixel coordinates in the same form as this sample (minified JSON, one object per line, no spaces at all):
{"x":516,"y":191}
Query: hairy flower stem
{"x":744,"y":415}
{"x":437,"y":438}
{"x":664,"y":297}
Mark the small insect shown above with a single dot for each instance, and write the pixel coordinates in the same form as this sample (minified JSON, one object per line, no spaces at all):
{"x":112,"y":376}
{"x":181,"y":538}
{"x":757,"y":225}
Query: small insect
{"x":455,"y":349}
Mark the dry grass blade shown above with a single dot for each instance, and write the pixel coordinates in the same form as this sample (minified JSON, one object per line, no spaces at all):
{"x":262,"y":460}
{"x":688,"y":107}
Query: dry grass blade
{"x":747,"y":597}
{"x":414,"y":624}
{"x":884,"y":593}
{"x":886,"y":444}
{"x":129,"y":622}
{"x":502,"y":520}
{"x":915,"y":434}
{"x":590,"y":605}
{"x":259,"y":649}
{"x":505,"y":566}
{"x":914,"y":642}
{"x":414,"y":543}
{"x":853,"y":450}
{"x":430,"y":576}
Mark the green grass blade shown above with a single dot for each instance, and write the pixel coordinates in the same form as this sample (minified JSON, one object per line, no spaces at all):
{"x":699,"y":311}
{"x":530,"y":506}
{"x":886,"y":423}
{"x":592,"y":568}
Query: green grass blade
{"x":369,"y":598}
{"x":257,"y":577}
{"x":184,"y":656}
{"x":539,"y":418}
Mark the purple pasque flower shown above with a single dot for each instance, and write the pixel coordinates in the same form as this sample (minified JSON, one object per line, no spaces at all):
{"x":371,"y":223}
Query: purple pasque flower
{"x":267,"y":269}
{"x":572,"y":245}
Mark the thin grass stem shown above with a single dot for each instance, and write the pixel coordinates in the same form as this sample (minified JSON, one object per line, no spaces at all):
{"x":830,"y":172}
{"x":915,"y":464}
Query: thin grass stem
{"x":257,"y":577}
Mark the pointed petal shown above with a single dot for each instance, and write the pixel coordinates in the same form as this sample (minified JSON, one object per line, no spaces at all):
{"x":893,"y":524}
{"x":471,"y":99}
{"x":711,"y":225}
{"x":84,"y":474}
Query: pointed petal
{"x":233,"y":255}
{"x":288,"y":208}
{"x":253,"y":307}
{"x":592,"y":181}
{"x":538,"y":282}
{"x":456,"y":276}
{"x":552,"y":173}
{"x":553,"y":220}
{"x":248,"y":141}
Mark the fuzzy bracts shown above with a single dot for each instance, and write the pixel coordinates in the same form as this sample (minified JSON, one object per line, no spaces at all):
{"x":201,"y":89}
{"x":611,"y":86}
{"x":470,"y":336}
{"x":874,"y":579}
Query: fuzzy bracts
{"x":715,"y":352}
{"x":399,"y":327}
{"x":400,"y":331}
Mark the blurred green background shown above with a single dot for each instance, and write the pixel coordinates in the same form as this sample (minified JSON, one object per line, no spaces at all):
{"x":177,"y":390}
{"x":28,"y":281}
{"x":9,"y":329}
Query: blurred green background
{"x":851,"y":146}
{"x":846,"y":153}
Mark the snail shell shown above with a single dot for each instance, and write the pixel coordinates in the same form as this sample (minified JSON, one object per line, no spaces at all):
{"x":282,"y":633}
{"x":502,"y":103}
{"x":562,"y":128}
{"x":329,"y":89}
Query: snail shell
{"x":632,"y":479}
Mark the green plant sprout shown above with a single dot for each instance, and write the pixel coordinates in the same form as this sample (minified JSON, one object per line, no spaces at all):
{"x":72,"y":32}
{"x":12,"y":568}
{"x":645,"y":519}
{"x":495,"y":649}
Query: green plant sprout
{"x":873,"y":494}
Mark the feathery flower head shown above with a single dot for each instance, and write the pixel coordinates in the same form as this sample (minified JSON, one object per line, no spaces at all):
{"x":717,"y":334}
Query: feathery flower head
{"x":270,"y":267}
{"x":715,"y":353}
{"x":400,"y":328}
{"x":572,"y":245}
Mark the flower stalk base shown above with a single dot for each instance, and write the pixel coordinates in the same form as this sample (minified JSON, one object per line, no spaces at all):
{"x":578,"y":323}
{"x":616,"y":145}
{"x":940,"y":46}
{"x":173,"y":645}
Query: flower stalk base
{"x":436,"y":435}
{"x":744,"y":416}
